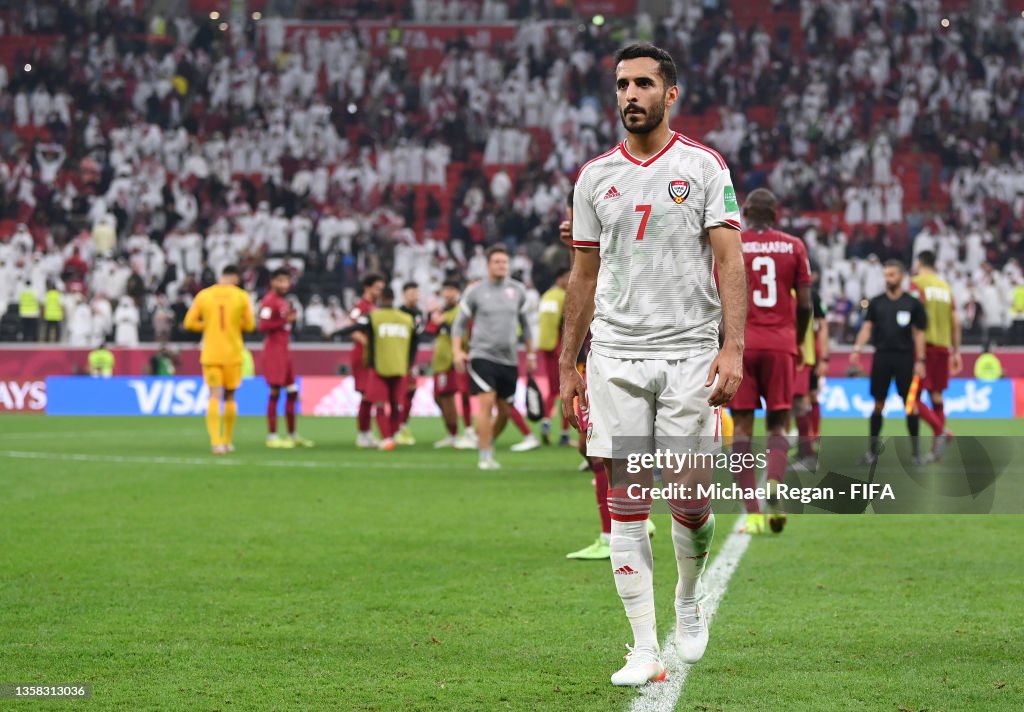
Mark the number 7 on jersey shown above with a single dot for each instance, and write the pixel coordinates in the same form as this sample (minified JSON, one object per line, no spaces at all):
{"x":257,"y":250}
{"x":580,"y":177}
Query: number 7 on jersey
{"x":646,"y":210}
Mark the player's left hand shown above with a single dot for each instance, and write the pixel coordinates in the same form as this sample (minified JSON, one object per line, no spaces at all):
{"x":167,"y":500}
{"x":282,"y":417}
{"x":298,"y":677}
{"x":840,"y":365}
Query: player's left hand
{"x":728,"y":366}
{"x":821,"y":369}
{"x":919,"y":369}
{"x":292,"y":316}
{"x":531,"y":362}
{"x":956,"y":363}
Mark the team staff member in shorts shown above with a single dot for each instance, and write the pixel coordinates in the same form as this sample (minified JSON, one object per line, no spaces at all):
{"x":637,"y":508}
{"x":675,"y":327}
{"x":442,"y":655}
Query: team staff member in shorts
{"x":498,"y":308}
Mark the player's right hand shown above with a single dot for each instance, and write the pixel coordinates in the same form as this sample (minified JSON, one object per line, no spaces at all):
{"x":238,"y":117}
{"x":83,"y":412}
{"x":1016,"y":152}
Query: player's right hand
{"x":728,"y":367}
{"x":573,"y":392}
{"x":460,"y":360}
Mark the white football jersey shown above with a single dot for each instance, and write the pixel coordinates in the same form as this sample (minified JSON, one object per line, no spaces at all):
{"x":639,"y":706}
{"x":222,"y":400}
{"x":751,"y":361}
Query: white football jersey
{"x":656,"y":292}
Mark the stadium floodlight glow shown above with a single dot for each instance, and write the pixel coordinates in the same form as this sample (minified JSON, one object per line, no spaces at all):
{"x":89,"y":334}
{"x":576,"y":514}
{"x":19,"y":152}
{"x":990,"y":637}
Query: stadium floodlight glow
{"x":257,"y":16}
{"x":598,"y":20}
{"x":223,"y":27}
{"x":214,"y":15}
{"x":945,"y":22}
{"x":352,"y":108}
{"x":28,"y":67}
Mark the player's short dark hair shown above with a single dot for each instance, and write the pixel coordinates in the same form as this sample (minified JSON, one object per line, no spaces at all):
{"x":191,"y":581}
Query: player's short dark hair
{"x":926,"y":258}
{"x":231,"y":270}
{"x":280,"y":272}
{"x":495,"y":250}
{"x":371,"y":278}
{"x":666,"y":65}
{"x":387,"y":294}
{"x":410,"y":285}
{"x":561,"y":272}
{"x":895,"y":263}
{"x":761,"y":206}
{"x":453,"y":283}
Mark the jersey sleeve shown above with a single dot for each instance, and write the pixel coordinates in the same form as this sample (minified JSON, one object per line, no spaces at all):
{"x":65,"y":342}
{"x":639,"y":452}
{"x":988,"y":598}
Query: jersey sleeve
{"x":872,"y":312}
{"x":248,"y":320}
{"x":720,"y":206}
{"x":915,"y":290}
{"x":803,"y":265}
{"x":586,"y":227}
{"x":818,"y":306}
{"x":270,"y":319}
{"x":467,"y":307}
{"x":920,"y":316}
{"x":194,"y":316}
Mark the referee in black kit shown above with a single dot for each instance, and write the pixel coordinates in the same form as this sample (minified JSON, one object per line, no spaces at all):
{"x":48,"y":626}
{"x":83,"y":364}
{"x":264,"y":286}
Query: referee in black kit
{"x":895,"y":324}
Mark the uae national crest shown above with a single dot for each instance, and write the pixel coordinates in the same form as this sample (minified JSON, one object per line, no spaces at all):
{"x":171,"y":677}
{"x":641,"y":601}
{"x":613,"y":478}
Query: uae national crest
{"x":679,"y":189}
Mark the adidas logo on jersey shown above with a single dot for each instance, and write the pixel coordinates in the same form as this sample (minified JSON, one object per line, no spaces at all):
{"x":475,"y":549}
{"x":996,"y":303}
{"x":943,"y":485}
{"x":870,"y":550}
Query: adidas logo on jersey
{"x":625,"y":571}
{"x":612,"y":193}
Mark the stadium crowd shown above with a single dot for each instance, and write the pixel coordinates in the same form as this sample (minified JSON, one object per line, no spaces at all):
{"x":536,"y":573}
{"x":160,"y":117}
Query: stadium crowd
{"x":140,"y":154}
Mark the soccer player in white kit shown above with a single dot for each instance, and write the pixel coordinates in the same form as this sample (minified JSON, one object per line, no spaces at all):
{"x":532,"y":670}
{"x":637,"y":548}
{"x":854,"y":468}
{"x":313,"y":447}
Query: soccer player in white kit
{"x":652,"y":220}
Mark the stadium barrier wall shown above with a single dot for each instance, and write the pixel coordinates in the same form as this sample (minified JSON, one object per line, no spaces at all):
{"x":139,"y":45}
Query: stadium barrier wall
{"x":28,"y":362}
{"x":336,"y":396}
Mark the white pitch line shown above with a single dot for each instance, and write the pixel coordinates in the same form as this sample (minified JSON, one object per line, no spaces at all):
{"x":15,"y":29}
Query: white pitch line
{"x":228,"y":461}
{"x":663,"y":696}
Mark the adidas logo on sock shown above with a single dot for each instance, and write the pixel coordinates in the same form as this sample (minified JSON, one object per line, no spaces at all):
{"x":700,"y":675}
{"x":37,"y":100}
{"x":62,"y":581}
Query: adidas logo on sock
{"x":612,"y":193}
{"x":625,"y":571}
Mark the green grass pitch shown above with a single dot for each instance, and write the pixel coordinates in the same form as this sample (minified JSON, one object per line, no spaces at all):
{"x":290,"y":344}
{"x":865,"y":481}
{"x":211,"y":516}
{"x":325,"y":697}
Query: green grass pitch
{"x":337,"y":579}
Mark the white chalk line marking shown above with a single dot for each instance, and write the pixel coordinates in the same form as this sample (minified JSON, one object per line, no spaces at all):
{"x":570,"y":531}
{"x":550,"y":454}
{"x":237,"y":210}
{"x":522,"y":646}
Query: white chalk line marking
{"x":663,"y":696}
{"x":234,"y":461}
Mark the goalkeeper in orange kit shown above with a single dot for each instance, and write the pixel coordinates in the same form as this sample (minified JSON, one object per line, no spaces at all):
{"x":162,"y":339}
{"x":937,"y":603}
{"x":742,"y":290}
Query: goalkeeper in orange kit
{"x":222,"y":312}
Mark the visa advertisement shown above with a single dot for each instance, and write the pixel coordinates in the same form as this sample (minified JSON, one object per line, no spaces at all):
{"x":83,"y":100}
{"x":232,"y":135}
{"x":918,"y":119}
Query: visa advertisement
{"x":336,"y":396}
{"x":146,"y":395}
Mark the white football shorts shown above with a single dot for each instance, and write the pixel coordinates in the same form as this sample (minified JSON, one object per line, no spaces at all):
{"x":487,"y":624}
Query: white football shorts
{"x":637,"y":405}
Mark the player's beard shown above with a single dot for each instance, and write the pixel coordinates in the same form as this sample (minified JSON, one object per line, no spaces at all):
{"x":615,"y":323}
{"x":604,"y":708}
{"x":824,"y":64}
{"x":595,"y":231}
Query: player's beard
{"x":653,"y":118}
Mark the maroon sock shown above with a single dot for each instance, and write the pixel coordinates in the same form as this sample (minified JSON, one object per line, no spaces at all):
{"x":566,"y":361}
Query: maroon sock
{"x":407,"y":406}
{"x":778,"y":452}
{"x":930,"y":417}
{"x":815,"y":419}
{"x":803,"y":429}
{"x":397,"y":413}
{"x":272,"y":414}
{"x":467,"y":414}
{"x":289,"y":411}
{"x":363,"y":419}
{"x":745,"y":477}
{"x":940,"y":411}
{"x":383,"y":421}
{"x":517,"y":419}
{"x":452,"y":426}
{"x":601,"y":490}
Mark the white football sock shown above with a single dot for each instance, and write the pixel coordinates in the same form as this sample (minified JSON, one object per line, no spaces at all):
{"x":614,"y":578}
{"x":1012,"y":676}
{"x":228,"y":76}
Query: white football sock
{"x":633,"y":569}
{"x":692,"y":547}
